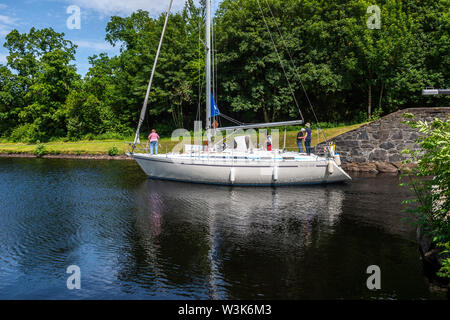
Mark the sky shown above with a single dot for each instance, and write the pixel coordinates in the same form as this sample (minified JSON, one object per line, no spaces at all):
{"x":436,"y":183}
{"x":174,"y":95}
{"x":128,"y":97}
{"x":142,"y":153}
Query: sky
{"x":88,"y":32}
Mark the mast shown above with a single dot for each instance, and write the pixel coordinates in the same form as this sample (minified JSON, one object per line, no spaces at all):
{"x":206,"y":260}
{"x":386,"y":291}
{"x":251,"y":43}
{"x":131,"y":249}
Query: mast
{"x":144,"y":107}
{"x":208,"y":71}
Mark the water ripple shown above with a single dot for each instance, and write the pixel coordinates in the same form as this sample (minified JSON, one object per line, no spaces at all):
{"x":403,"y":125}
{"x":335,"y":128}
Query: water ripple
{"x":134,"y":237}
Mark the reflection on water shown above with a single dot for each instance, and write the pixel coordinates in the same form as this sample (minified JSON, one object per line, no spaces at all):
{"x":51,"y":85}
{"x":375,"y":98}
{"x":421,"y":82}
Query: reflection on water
{"x":136,"y":238}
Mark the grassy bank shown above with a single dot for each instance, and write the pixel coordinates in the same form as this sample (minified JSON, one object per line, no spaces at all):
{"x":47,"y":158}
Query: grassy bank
{"x":102,"y":147}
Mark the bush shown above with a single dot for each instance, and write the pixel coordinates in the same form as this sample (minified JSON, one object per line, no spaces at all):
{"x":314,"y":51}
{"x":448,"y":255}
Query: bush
{"x":113,"y":151}
{"x":40,"y":150}
{"x":27,"y":133}
{"x":430,"y":181}
{"x":109,"y":136}
{"x":89,"y":137}
{"x":444,"y":272}
{"x":377,"y":113}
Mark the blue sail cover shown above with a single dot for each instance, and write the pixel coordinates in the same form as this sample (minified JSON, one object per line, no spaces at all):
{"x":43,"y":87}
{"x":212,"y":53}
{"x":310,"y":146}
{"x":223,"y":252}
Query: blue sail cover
{"x":214,"y":110}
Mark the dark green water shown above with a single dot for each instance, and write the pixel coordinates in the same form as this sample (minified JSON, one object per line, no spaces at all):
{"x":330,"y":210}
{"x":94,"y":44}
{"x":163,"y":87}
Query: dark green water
{"x":134,"y":238}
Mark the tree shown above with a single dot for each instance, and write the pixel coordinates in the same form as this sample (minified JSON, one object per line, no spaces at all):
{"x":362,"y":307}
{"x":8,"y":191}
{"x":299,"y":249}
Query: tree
{"x":43,"y":78}
{"x":172,"y":98}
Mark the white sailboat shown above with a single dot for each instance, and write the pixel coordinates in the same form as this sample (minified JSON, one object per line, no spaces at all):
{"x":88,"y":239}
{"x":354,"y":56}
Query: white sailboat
{"x":239,"y":163}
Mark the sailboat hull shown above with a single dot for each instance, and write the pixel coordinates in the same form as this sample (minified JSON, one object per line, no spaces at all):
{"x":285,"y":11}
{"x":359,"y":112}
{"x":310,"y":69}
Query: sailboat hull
{"x":245,"y":172}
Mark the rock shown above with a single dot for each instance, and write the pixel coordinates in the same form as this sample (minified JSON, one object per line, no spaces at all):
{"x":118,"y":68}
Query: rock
{"x":378,"y":155}
{"x":395,"y":158}
{"x":397,"y":135}
{"x":386,"y":167}
{"x":369,"y":167}
{"x":351,"y":143}
{"x":367,"y":145}
{"x":384,"y":134}
{"x":413,"y":136}
{"x":404,"y":167}
{"x":363,"y":135}
{"x":387,"y":145}
{"x":352,"y":167}
{"x":359,"y":159}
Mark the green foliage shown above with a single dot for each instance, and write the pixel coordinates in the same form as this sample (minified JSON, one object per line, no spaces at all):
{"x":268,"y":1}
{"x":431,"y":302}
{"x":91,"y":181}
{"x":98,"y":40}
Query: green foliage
{"x":173,"y":96}
{"x":42,"y":77}
{"x":40,"y":150}
{"x":430,"y":180}
{"x":27,"y":133}
{"x":351,"y":73}
{"x":376,"y":114}
{"x":83,"y":115}
{"x":113,"y":151}
{"x":344,"y":66}
{"x":444,"y":272}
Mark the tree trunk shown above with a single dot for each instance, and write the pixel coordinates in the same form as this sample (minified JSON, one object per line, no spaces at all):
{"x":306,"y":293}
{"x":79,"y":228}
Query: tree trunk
{"x":381,"y":95}
{"x":274,"y":115}
{"x":266,"y":115}
{"x":369,"y":107}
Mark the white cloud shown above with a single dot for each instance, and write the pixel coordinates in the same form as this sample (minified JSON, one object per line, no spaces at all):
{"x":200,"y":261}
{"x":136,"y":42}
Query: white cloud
{"x":115,"y":7}
{"x":6,"y":24}
{"x":3,"y":6}
{"x":4,"y":30}
{"x":7,"y":20}
{"x":99,"y":46}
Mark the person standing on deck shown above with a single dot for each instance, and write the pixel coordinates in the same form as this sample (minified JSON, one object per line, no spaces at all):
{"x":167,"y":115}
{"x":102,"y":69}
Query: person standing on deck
{"x":269,"y":141}
{"x":300,"y":138}
{"x":153,"y":138}
{"x":308,"y":139}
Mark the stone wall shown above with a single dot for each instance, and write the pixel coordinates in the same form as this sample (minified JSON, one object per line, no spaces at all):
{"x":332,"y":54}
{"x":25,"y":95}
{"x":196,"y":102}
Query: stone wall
{"x":382,"y":141}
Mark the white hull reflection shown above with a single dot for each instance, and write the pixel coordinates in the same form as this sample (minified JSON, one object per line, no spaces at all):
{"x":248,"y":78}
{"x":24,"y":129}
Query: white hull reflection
{"x":274,"y":221}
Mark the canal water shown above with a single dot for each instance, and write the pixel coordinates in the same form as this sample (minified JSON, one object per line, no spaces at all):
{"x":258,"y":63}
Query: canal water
{"x":135,"y":238}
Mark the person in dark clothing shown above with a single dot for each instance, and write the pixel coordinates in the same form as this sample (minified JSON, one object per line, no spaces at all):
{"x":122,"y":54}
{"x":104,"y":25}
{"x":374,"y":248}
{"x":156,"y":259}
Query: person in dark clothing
{"x":300,"y":137}
{"x":308,"y":139}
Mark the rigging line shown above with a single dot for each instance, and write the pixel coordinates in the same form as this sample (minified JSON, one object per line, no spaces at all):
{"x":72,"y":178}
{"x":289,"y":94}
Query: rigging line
{"x":216,"y":93}
{"x":295,"y":70}
{"x":199,"y":69}
{"x":216,"y":72}
{"x":144,"y":107}
{"x":279,"y":58}
{"x":231,"y":119}
{"x":212,"y":56}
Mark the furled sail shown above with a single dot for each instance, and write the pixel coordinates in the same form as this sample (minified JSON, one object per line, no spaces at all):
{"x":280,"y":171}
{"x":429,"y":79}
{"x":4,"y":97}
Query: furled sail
{"x":214,"y":109}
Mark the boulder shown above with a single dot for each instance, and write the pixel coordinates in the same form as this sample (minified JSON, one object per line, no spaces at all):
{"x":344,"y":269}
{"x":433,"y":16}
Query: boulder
{"x":378,"y":155}
{"x":395,"y":157}
{"x":387,"y":145}
{"x":369,"y":167}
{"x":350,"y":166}
{"x":386,"y":167}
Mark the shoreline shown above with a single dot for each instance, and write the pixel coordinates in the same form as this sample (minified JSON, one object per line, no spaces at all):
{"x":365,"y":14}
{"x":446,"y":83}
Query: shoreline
{"x":67,"y":156}
{"x":377,"y":167}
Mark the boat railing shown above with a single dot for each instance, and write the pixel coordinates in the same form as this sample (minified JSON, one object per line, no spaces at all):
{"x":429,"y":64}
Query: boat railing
{"x":138,"y":148}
